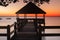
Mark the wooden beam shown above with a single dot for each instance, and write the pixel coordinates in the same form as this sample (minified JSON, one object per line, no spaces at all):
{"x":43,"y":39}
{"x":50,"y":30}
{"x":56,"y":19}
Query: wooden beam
{"x":3,"y":27}
{"x":8,"y":32}
{"x":51,"y":34}
{"x":1,"y":34}
{"x":52,"y":27}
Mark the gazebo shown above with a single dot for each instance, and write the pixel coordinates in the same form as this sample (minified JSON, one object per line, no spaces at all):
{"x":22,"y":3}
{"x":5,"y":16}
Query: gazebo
{"x":31,"y":8}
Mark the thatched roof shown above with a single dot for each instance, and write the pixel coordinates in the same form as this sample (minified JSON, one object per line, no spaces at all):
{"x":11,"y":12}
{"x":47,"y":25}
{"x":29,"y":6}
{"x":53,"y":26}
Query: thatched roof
{"x":30,"y":8}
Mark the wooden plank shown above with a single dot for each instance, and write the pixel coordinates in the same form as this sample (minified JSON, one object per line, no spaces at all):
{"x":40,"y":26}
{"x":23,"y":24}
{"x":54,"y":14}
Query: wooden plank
{"x":11,"y":25}
{"x":11,"y":32}
{"x":3,"y":27}
{"x":12,"y":38}
{"x":31,"y":19}
{"x":52,"y":27}
{"x":51,"y":34}
{"x":1,"y":34}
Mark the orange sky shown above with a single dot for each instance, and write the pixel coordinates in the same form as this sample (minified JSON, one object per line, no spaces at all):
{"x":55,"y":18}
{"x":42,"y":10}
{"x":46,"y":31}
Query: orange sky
{"x":52,"y":9}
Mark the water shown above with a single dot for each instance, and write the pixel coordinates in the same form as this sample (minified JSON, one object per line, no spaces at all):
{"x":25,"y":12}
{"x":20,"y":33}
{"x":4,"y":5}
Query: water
{"x":6,"y":21}
{"x":50,"y":21}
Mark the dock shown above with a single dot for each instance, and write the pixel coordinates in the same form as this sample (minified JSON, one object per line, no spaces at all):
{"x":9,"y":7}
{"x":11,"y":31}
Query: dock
{"x":27,"y":32}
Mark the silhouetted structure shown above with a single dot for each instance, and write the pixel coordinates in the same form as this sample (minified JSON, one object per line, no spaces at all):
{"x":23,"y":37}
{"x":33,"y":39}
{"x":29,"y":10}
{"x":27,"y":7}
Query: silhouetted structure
{"x":30,"y":8}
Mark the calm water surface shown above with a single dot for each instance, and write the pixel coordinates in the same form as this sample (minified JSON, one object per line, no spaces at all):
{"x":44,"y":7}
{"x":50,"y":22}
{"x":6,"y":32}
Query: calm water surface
{"x":50,"y":21}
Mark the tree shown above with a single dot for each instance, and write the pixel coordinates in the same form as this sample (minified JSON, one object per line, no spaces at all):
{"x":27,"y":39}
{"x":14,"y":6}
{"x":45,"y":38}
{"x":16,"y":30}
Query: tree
{"x":7,"y":2}
{"x":36,"y":1}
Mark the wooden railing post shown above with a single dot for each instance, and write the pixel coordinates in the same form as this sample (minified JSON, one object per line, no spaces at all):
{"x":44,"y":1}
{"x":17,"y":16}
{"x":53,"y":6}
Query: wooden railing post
{"x":40,"y":32}
{"x":14,"y":30}
{"x":8,"y":32}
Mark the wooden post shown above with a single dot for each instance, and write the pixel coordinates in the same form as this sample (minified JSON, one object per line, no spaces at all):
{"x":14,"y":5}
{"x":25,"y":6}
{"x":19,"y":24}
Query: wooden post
{"x":25,"y":16}
{"x":44,"y":24}
{"x":8,"y":32}
{"x":36,"y":24}
{"x":44,"y":19}
{"x":40,"y":32}
{"x":15,"y":30}
{"x":17,"y":15}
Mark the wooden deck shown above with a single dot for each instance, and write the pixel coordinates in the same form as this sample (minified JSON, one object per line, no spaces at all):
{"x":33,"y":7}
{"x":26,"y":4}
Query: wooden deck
{"x":27,"y":33}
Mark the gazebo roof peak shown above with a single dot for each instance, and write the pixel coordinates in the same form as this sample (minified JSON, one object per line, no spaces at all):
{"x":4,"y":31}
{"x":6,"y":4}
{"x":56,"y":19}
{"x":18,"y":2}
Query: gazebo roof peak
{"x":30,"y":8}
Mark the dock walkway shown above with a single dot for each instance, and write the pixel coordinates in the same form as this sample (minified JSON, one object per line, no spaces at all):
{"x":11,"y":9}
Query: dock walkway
{"x":27,"y":32}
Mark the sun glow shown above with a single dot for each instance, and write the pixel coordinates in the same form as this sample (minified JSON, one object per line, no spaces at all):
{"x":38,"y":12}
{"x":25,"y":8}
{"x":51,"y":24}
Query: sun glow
{"x":51,"y":9}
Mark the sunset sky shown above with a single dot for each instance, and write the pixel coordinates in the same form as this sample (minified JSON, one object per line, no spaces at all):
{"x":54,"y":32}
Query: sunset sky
{"x":52,"y":9}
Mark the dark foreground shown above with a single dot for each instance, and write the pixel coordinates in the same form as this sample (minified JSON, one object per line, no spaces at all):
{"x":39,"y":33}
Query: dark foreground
{"x":27,"y":33}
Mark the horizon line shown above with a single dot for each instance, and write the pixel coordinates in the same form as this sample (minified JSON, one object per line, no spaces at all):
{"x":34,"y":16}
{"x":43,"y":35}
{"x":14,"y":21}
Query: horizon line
{"x":29,"y":16}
